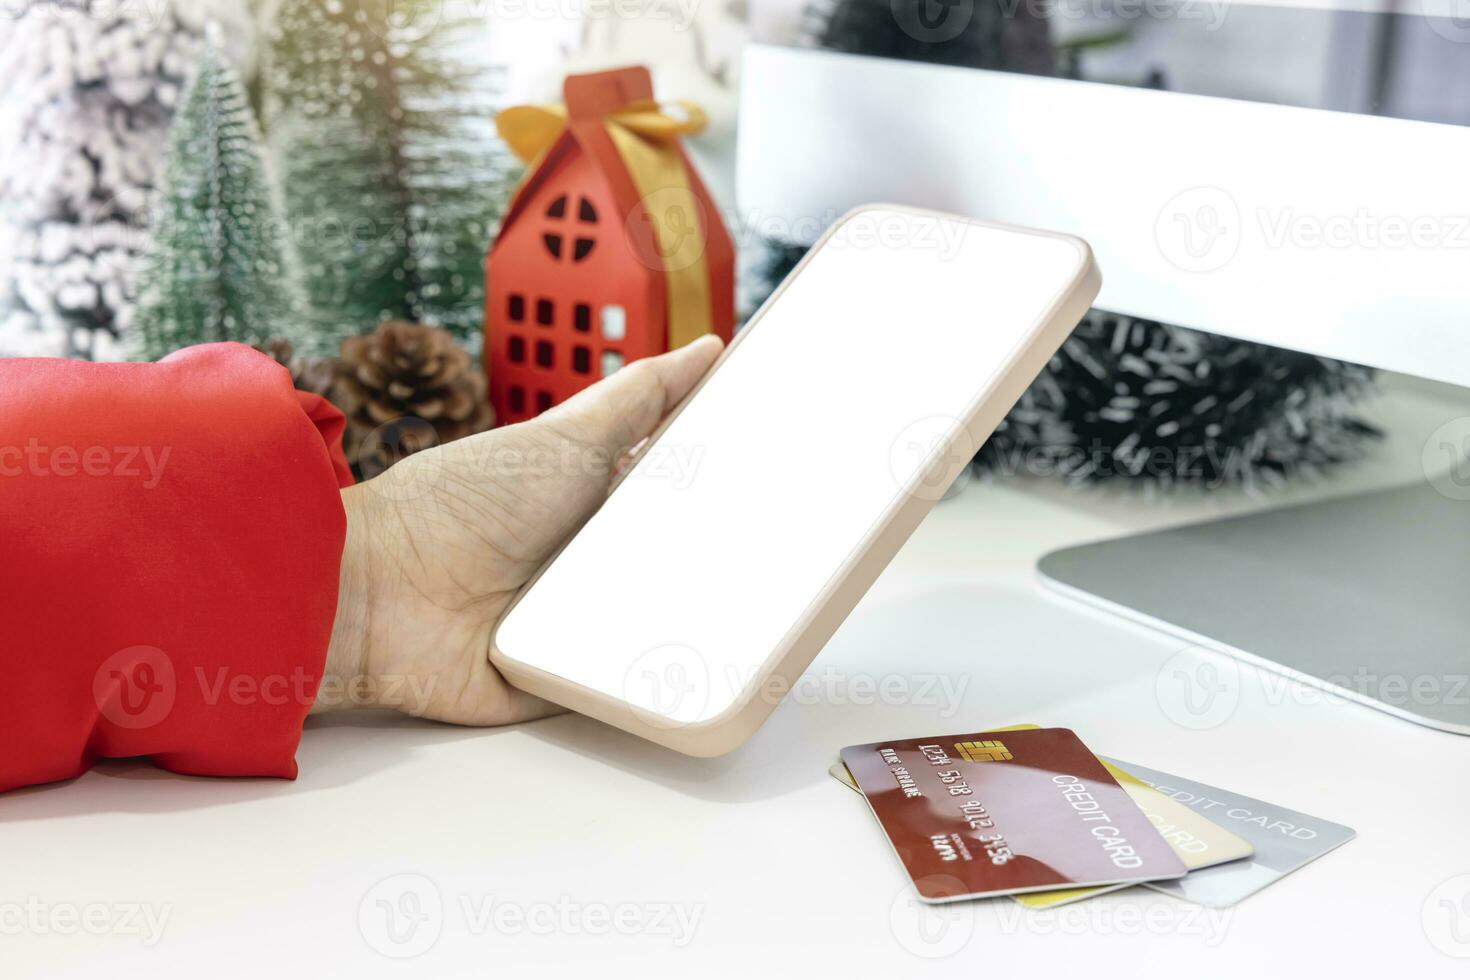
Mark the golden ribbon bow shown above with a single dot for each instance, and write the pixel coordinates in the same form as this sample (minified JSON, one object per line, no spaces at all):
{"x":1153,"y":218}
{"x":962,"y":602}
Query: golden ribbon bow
{"x":644,"y":133}
{"x":530,"y":130}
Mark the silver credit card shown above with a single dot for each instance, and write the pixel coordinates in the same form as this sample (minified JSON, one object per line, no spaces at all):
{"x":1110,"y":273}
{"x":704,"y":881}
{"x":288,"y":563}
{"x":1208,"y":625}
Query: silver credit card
{"x":1284,"y":839}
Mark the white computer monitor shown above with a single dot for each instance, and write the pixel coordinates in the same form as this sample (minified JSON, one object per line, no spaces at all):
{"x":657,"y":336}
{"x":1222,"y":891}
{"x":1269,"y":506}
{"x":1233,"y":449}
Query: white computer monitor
{"x":1343,"y":234}
{"x":1333,"y":233}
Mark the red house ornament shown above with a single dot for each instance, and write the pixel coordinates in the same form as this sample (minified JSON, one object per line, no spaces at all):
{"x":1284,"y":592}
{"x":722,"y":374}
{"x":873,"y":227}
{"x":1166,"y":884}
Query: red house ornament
{"x":611,"y":250}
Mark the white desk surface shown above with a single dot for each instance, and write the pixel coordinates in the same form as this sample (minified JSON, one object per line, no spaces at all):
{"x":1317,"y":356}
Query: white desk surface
{"x":775,"y":868}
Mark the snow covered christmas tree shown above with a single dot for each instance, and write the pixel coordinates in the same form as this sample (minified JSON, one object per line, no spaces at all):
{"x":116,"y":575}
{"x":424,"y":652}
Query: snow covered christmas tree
{"x":87,"y":91}
{"x":381,"y":122}
{"x":220,"y":267}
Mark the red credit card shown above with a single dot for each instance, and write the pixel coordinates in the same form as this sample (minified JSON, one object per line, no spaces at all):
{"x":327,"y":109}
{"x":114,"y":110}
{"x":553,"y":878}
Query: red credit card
{"x":998,"y":813}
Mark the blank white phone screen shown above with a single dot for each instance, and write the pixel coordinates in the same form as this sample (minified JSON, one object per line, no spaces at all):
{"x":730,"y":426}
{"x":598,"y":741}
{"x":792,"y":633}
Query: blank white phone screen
{"x":677,"y":593}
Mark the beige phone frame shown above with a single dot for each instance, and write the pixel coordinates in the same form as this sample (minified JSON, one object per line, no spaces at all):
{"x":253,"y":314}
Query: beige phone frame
{"x":805,"y":639}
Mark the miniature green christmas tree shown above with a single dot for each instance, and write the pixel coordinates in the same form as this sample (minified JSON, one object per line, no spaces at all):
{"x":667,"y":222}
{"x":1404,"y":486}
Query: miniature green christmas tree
{"x":381,"y":119}
{"x":220,"y":267}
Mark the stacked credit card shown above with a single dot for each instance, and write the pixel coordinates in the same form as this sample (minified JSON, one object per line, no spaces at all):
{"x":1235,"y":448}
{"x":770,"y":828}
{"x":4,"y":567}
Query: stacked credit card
{"x":1032,"y":813}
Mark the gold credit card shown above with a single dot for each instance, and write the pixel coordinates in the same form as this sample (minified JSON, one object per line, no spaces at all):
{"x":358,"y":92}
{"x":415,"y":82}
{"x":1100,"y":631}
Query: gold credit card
{"x":1007,"y":812}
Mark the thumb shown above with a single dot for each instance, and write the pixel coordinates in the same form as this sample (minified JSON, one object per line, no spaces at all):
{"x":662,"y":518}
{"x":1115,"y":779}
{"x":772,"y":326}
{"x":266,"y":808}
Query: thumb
{"x":616,"y":414}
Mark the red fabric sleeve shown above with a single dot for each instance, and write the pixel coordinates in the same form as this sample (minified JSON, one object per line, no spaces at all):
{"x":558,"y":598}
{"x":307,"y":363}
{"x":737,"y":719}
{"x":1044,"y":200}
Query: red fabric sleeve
{"x":171,"y":535}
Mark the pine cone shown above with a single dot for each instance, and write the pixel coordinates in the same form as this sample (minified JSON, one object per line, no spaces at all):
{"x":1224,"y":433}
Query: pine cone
{"x":314,"y":374}
{"x":404,"y":388}
{"x":278,"y":349}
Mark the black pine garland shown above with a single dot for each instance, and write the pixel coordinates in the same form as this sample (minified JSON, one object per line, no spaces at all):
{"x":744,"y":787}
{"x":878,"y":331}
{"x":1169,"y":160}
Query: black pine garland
{"x":1138,"y":400}
{"x":1135,"y":400}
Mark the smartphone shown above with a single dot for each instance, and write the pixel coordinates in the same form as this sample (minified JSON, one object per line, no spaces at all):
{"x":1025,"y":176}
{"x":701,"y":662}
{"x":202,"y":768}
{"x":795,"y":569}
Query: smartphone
{"x":765,"y":506}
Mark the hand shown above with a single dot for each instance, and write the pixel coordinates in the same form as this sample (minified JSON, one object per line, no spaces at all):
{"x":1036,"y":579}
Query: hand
{"x":440,"y":543}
